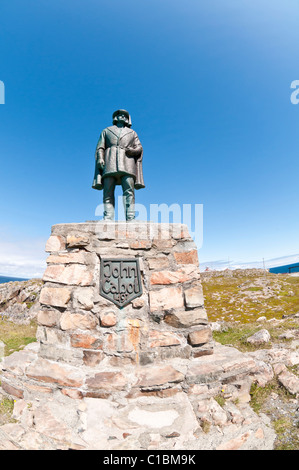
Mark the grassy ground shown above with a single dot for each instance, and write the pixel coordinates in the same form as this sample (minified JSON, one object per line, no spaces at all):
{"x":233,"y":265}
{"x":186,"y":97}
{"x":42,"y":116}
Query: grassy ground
{"x":6,"y":410}
{"x":236,"y":334}
{"x":238,"y":299}
{"x":245,"y":295}
{"x":276,"y":402}
{"x":16,"y":336}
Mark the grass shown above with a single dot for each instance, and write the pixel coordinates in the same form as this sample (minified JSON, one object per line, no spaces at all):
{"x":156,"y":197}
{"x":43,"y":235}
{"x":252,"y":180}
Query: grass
{"x":220,"y":400}
{"x":6,"y":410}
{"x":286,"y":438}
{"x":237,"y":299}
{"x":259,"y":395}
{"x":237,"y":335}
{"x":16,"y":336}
{"x":254,"y":289}
{"x":287,"y":435}
{"x":244,"y":296}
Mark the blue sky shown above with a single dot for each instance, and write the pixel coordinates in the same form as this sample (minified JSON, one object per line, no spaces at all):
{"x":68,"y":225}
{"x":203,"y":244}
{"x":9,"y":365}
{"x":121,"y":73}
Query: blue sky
{"x":208,"y":86}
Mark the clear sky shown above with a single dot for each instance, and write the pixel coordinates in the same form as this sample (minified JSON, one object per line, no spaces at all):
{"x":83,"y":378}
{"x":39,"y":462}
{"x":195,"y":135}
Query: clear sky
{"x":208,"y":86}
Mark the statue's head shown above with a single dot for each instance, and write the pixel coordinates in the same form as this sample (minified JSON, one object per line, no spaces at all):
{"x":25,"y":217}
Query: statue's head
{"x":123,"y":116}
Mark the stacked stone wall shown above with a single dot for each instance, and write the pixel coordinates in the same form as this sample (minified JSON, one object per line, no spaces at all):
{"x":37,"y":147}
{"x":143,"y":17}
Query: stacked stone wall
{"x":88,"y":346}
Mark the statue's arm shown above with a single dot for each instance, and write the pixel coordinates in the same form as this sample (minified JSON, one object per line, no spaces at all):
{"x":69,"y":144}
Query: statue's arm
{"x":136,"y":149}
{"x":100,"y":151}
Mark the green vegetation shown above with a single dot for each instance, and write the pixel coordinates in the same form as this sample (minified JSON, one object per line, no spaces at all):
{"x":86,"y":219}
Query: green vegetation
{"x":205,"y":426}
{"x":236,"y":336}
{"x":16,"y":336}
{"x":6,"y":410}
{"x":259,"y":395}
{"x":245,"y":295}
{"x":285,"y":426}
{"x":286,"y":439}
{"x":220,"y":400}
{"x":236,"y":300}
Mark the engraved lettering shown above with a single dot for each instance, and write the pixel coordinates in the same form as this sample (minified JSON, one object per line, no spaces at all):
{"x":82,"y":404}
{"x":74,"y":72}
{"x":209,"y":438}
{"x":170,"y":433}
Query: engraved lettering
{"x":120,"y":280}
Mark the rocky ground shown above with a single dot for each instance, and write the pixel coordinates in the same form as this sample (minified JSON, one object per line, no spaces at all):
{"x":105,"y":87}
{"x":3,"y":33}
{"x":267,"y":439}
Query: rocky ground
{"x":255,"y":319}
{"x":245,"y":295}
{"x":19,"y":300}
{"x":258,"y":312}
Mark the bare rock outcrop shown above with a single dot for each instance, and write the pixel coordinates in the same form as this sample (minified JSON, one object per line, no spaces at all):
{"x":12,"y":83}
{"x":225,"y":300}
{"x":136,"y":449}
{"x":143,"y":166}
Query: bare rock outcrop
{"x":19,"y":300}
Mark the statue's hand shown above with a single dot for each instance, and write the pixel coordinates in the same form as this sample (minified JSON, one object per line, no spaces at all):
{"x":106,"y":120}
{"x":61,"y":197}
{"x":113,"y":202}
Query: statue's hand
{"x":130,"y":151}
{"x":101,"y":164}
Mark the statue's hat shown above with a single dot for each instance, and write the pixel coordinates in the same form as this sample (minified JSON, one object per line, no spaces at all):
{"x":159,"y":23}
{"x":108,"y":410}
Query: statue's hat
{"x":123,"y":111}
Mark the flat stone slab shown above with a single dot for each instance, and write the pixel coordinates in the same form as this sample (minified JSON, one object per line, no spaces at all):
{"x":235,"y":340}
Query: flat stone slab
{"x":145,"y":423}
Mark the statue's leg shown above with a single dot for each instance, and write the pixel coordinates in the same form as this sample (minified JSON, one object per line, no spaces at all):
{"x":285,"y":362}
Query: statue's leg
{"x":127,"y":183}
{"x":108,"y":197}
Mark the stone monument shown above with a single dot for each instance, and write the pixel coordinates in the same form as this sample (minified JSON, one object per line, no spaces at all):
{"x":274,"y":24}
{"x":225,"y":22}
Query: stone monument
{"x":120,"y":300}
{"x":117,"y":298}
{"x":123,"y":332}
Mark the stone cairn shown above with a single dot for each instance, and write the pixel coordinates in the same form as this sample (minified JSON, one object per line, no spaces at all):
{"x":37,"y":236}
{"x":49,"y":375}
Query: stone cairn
{"x":88,"y":346}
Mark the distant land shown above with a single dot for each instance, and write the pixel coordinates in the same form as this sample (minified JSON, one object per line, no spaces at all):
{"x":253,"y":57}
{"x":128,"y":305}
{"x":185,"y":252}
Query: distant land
{"x":217,"y":265}
{"x":220,"y":265}
{"x":4,"y":279}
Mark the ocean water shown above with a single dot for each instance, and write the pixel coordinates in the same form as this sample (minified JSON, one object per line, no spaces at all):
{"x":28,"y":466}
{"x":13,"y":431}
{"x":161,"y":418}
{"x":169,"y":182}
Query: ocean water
{"x":4,"y":279}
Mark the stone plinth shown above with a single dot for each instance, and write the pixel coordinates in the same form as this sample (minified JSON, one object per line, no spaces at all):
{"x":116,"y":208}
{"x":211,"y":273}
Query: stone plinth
{"x":88,"y":346}
{"x":143,"y":376}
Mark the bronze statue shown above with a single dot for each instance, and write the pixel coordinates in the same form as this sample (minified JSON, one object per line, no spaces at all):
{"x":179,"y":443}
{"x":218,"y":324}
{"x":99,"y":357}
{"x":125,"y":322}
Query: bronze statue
{"x":119,"y":162}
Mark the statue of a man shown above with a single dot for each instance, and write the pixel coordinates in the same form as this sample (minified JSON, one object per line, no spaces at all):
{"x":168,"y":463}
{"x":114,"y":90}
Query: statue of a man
{"x":119,"y":162}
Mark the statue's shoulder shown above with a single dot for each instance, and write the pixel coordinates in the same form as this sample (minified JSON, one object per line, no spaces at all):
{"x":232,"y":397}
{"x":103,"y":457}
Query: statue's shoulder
{"x":112,"y":129}
{"x":127,"y":130}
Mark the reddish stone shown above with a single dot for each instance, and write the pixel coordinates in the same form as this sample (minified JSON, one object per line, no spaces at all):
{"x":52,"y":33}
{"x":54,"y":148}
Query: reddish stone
{"x":108,"y":319}
{"x":92,"y":358}
{"x":169,"y":277}
{"x":14,"y":391}
{"x":77,"y":240}
{"x":236,"y":443}
{"x":187,"y":257}
{"x":55,"y":243}
{"x":163,"y":244}
{"x":85,"y":341}
{"x":167,"y":298}
{"x":52,"y":372}
{"x":204,"y":351}
{"x":155,"y":376}
{"x":108,"y":381}
{"x":55,"y":296}
{"x":160,"y":262}
{"x":72,"y":274}
{"x":83,"y":298}
{"x":120,"y":361}
{"x":38,"y":388}
{"x":75,"y":394}
{"x":120,"y":342}
{"x":141,"y":245}
{"x":80,"y":257}
{"x":187,"y":318}
{"x":164,"y":393}
{"x":194,"y":296}
{"x":48,"y":317}
{"x":162,"y":338}
{"x":97,"y":394}
{"x":201,"y":336}
{"x":74,"y":321}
